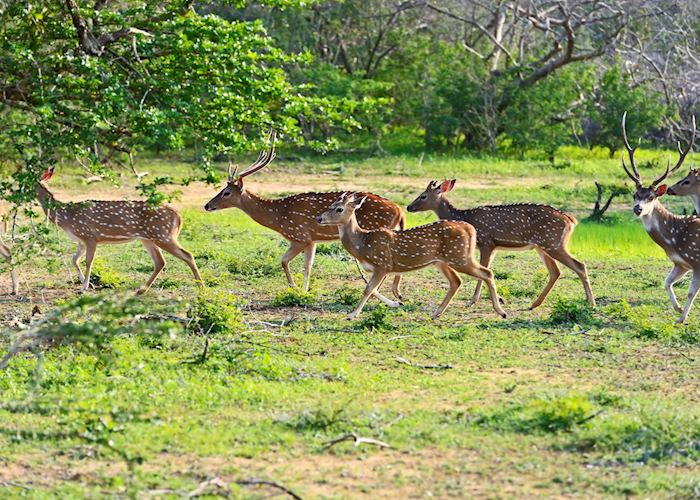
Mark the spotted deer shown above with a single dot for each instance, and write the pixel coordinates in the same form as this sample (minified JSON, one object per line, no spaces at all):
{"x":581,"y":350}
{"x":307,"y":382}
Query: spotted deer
{"x":90,"y":223}
{"x":512,"y":227}
{"x":688,"y":186}
{"x":6,"y":254}
{"x":679,"y":236}
{"x":294,"y":217}
{"x":448,"y":245}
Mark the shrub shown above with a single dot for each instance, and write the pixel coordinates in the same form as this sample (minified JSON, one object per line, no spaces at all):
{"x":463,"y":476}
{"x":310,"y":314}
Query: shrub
{"x":294,"y":297}
{"x":104,"y":277}
{"x":348,"y":295}
{"x":571,"y":312}
{"x":214,"y":313}
{"x":620,"y":310}
{"x":376,"y":319}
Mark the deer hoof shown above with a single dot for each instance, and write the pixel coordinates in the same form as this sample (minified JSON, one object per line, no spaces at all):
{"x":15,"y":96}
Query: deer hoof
{"x":471,"y":302}
{"x":678,"y":309}
{"x":504,"y":315}
{"x":141,"y":291}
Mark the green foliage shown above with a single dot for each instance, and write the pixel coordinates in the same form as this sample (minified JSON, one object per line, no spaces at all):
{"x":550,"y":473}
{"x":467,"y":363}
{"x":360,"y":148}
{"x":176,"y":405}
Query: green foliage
{"x":103,"y":276}
{"x":348,"y":295}
{"x":214,"y":313}
{"x":537,"y":415}
{"x":376,"y":319}
{"x":294,"y":297}
{"x":620,"y":310}
{"x":567,"y":312}
{"x":618,"y":95}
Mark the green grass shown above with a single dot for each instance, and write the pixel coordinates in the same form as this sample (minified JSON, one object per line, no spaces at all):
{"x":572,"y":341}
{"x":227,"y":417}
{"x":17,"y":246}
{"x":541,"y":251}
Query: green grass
{"x":247,"y":379}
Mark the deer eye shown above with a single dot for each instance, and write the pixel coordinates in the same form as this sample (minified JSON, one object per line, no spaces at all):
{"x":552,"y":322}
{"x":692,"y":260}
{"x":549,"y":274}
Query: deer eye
{"x":685,"y":183}
{"x":226,"y":194}
{"x":423,"y":196}
{"x":338,"y":210}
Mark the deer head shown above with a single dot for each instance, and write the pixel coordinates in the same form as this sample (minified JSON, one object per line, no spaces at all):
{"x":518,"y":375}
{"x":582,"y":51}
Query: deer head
{"x":430,"y":198}
{"x":341,"y":211}
{"x":688,"y":185}
{"x":644,"y":197}
{"x":230,"y":196}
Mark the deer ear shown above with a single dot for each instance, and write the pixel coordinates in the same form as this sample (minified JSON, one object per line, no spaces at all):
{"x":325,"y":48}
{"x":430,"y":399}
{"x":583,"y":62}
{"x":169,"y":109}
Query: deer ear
{"x":447,"y":186}
{"x":661,"y":190}
{"x":358,"y":203}
{"x":48,"y":173}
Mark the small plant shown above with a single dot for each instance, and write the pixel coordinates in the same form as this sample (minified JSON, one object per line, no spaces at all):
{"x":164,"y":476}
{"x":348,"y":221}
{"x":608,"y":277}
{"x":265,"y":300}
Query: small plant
{"x":104,"y":277}
{"x":294,"y":297}
{"x":571,"y":312}
{"x":348,"y":295}
{"x":214,"y":313}
{"x":376,"y":320}
{"x":620,"y":310}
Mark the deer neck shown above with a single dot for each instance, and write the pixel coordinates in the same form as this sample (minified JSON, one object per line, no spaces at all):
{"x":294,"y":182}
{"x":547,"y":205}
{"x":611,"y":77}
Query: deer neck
{"x":259,"y":209}
{"x":46,"y":198}
{"x":351,"y":235}
{"x":696,"y":201}
{"x":661,"y":225}
{"x":446,"y":210}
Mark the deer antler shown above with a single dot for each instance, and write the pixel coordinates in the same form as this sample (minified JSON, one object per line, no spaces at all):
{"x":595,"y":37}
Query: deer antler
{"x":264,"y":158}
{"x":232,"y":172}
{"x":683,"y":153}
{"x":630,"y":151}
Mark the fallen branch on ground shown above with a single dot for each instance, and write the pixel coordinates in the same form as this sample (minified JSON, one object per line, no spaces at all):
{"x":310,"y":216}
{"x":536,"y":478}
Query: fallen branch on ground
{"x":439,"y":366}
{"x":352,"y":436}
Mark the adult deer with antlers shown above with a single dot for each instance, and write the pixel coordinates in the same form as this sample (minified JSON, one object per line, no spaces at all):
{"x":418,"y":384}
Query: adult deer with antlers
{"x":512,"y":227}
{"x":294,"y":217}
{"x":90,"y":223}
{"x":679,"y":236}
{"x":448,"y":245}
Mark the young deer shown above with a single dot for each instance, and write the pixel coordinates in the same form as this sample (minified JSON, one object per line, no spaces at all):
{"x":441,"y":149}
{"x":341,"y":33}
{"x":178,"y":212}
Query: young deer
{"x":294,"y":217}
{"x":449,"y":245}
{"x":679,"y":236}
{"x":512,"y":227}
{"x":90,"y":223}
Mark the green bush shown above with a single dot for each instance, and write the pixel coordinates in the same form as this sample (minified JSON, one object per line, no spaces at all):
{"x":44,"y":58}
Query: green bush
{"x":571,"y":312}
{"x":292,"y":297}
{"x":376,"y":320}
{"x":348,"y":295}
{"x":102,"y":276}
{"x":620,"y":310}
{"x":214,"y":313}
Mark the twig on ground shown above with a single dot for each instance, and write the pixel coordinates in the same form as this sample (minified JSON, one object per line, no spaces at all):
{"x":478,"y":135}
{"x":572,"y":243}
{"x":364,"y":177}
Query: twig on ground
{"x":220,"y":488}
{"x":14,"y":484}
{"x":264,"y":482}
{"x":439,"y":366}
{"x":397,"y":337}
{"x":575,"y":332}
{"x":589,"y":417}
{"x":353,"y":436}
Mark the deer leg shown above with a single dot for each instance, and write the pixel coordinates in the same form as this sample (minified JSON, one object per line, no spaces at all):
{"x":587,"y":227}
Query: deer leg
{"x":485,"y":258}
{"x":176,"y":250}
{"x":7,"y":255}
{"x":384,"y":299}
{"x":485,"y":274}
{"x":692,"y":293}
{"x":76,"y":260}
{"x":396,"y":287}
{"x":554,"y":274}
{"x":455,"y":283}
{"x":158,"y":265}
{"x":370,"y":289}
{"x":579,"y":268}
{"x":295,"y":248}
{"x":309,"y":254}
{"x":90,"y":248}
{"x":673,"y":277}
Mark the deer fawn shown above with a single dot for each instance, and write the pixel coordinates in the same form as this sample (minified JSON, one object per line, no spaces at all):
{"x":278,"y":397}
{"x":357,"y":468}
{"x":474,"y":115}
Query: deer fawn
{"x":513,"y":227}
{"x":294,"y":217}
{"x":449,"y":245}
{"x":90,"y":223}
{"x":679,"y":236}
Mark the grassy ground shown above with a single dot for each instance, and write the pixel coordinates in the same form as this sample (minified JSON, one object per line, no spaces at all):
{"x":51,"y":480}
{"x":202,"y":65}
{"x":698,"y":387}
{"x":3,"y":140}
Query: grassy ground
{"x":562,"y":401}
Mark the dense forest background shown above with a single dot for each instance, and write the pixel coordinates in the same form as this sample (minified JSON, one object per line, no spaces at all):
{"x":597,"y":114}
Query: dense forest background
{"x":97,"y":80}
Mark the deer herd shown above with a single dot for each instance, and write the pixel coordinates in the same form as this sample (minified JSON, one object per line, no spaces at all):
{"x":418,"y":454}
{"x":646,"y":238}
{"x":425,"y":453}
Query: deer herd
{"x":372,"y":229}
